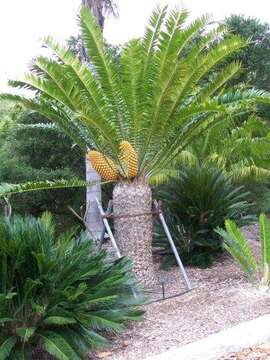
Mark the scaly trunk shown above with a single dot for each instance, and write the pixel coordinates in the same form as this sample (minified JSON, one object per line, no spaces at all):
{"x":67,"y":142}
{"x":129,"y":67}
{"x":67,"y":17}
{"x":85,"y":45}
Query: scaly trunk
{"x":134,"y":234}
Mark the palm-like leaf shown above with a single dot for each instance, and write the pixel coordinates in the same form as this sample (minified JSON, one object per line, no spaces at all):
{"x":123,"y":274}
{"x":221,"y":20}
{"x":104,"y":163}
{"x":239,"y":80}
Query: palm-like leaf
{"x":240,"y":149}
{"x":158,"y":98}
{"x":57,"y":293}
{"x":265,"y":247}
{"x":9,"y":189}
{"x":236,"y":244}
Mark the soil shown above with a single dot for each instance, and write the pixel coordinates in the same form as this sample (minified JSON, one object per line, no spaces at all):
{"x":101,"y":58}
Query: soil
{"x":221,"y":298}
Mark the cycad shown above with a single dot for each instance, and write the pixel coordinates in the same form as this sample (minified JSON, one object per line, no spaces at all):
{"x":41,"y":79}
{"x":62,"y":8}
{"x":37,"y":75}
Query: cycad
{"x":236,"y":244}
{"x":200,"y":199}
{"x":56,"y":293}
{"x":157,"y":98}
{"x":241,"y":149}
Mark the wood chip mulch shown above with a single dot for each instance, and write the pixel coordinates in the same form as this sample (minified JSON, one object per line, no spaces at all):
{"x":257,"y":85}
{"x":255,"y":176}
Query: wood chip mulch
{"x":261,"y":352}
{"x":221,"y":299}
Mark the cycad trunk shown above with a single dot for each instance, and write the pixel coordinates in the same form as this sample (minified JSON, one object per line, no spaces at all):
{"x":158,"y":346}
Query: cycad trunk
{"x":134,"y":233}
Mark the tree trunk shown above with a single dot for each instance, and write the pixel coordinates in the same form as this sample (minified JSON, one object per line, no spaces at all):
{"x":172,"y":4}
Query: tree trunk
{"x":134,"y":234}
{"x":96,"y":7}
{"x":92,"y":217}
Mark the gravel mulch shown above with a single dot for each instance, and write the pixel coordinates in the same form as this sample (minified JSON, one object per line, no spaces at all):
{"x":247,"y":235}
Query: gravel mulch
{"x":221,"y":299}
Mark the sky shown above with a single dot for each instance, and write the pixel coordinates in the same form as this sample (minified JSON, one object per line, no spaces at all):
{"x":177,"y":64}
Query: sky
{"x":23,"y":24}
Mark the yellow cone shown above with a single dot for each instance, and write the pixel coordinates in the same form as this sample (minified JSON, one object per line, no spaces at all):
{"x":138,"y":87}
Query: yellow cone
{"x":104,"y":166}
{"x":129,"y":158}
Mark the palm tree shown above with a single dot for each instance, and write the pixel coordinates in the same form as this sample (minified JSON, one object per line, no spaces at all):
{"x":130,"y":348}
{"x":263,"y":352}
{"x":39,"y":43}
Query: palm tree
{"x":140,"y":113}
{"x":99,"y":9}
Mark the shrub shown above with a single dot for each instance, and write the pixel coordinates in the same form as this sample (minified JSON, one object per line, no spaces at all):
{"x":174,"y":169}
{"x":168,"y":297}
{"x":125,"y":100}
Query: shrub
{"x":194,"y":205}
{"x":29,"y":152}
{"x":57,"y":294}
{"x":236,"y":244}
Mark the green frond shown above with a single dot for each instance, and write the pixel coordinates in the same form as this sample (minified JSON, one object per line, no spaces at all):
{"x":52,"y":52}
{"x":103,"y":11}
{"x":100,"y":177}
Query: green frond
{"x":11,"y":98}
{"x":172,"y":44}
{"x":104,"y":66}
{"x":241,"y":173}
{"x":6,"y":347}
{"x":166,"y":91}
{"x":219,"y":80}
{"x":236,"y":244}
{"x":87,"y":86}
{"x":57,"y":346}
{"x":9,"y":189}
{"x":265,"y":239}
{"x":162,"y":177}
{"x":198,"y":67}
{"x":186,"y":157}
{"x":130,"y":62}
{"x":151,"y":36}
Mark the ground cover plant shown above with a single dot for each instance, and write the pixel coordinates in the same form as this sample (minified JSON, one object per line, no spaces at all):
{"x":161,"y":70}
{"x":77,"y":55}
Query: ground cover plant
{"x":236,"y":244}
{"x":56,"y":293}
{"x":195,"y":203}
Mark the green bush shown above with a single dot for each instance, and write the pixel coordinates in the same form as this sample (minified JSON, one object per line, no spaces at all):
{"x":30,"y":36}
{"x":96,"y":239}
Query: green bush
{"x":194,"y":205}
{"x":31,"y":153}
{"x":57,"y":294}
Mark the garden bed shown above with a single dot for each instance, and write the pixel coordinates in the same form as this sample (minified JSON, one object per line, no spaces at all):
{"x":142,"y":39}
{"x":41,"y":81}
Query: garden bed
{"x":221,"y":298}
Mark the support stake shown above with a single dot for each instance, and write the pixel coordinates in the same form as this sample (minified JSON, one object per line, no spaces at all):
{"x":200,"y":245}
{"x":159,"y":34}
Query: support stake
{"x":177,"y":257}
{"x":109,"y":231}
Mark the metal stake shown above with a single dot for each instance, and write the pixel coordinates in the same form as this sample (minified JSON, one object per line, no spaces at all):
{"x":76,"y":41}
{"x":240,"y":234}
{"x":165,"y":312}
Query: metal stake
{"x":109,"y":231}
{"x":168,"y":234}
{"x":101,"y":239}
{"x":107,"y":226}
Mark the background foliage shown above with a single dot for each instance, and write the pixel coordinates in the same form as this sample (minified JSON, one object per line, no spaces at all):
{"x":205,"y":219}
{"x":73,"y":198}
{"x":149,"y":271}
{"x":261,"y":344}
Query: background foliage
{"x":40,"y":154}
